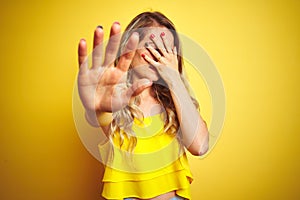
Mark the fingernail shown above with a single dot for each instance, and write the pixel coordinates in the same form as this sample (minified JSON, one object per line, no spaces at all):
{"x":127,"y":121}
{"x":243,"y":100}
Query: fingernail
{"x":117,"y":23}
{"x":162,"y":34}
{"x":100,"y":26}
{"x":143,"y":55}
{"x":152,"y":36}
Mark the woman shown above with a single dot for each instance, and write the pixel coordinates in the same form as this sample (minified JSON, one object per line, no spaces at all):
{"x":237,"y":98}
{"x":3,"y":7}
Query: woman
{"x":139,"y":97}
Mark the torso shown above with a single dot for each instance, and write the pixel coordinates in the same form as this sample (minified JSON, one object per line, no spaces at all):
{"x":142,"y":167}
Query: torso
{"x":168,"y":195}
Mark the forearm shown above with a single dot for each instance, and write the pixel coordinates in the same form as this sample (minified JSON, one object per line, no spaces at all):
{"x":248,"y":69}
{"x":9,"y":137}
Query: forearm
{"x":91,"y":118}
{"x":99,"y":119}
{"x":193,"y":127}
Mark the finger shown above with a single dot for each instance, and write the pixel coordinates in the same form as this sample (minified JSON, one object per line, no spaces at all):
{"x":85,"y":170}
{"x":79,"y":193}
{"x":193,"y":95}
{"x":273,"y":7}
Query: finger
{"x":150,"y":60}
{"x":175,"y":51}
{"x":158,"y":42}
{"x":82,"y":55}
{"x":113,"y":44}
{"x":98,"y":47}
{"x":166,"y":42}
{"x":128,"y":54}
{"x":154,"y":52}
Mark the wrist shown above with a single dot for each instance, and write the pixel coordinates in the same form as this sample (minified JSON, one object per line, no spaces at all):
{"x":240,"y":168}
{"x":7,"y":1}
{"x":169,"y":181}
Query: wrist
{"x":174,"y":82}
{"x":97,"y":119}
{"x":104,"y":118}
{"x":91,"y":118}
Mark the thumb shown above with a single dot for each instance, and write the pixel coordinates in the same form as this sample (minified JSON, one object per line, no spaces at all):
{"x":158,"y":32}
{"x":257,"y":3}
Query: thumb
{"x":138,"y":87}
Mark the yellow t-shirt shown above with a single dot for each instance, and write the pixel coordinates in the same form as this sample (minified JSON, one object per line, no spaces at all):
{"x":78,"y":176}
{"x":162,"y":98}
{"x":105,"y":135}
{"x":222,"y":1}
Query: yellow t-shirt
{"x":156,"y":166}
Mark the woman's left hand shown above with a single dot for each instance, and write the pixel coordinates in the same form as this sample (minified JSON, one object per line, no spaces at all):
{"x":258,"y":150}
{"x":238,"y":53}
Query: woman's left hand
{"x":164,"y":58}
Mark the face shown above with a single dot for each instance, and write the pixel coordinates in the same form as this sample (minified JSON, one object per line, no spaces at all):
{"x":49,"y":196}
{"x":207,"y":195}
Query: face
{"x":140,"y":67}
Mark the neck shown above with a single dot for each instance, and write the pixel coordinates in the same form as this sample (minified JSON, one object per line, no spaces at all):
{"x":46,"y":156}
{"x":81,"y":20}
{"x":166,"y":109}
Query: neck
{"x":148,"y":103}
{"x":147,"y":94}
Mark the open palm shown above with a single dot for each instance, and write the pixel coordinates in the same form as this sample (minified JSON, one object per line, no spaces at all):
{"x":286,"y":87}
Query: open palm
{"x":98,"y":85}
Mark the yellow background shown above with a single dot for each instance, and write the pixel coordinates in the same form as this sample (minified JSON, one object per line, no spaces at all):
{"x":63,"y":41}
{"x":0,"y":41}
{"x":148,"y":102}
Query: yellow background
{"x":254,"y":44}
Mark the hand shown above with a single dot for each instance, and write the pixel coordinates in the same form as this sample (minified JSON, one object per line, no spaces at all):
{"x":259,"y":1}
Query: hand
{"x":165,"y":57}
{"x":97,"y":84}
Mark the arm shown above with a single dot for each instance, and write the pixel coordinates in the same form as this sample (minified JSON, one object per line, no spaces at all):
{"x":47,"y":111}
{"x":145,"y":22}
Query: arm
{"x":97,"y":84}
{"x":193,"y":127}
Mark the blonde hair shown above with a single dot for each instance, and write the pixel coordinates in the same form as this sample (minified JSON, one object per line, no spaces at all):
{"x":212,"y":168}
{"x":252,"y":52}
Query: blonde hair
{"x":124,"y":118}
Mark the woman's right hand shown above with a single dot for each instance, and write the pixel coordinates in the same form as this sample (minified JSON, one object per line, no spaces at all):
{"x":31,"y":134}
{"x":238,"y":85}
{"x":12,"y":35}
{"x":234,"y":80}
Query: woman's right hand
{"x":97,"y":85}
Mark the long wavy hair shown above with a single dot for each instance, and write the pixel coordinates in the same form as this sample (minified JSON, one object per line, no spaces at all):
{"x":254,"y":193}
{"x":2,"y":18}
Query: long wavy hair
{"x":124,"y":118}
